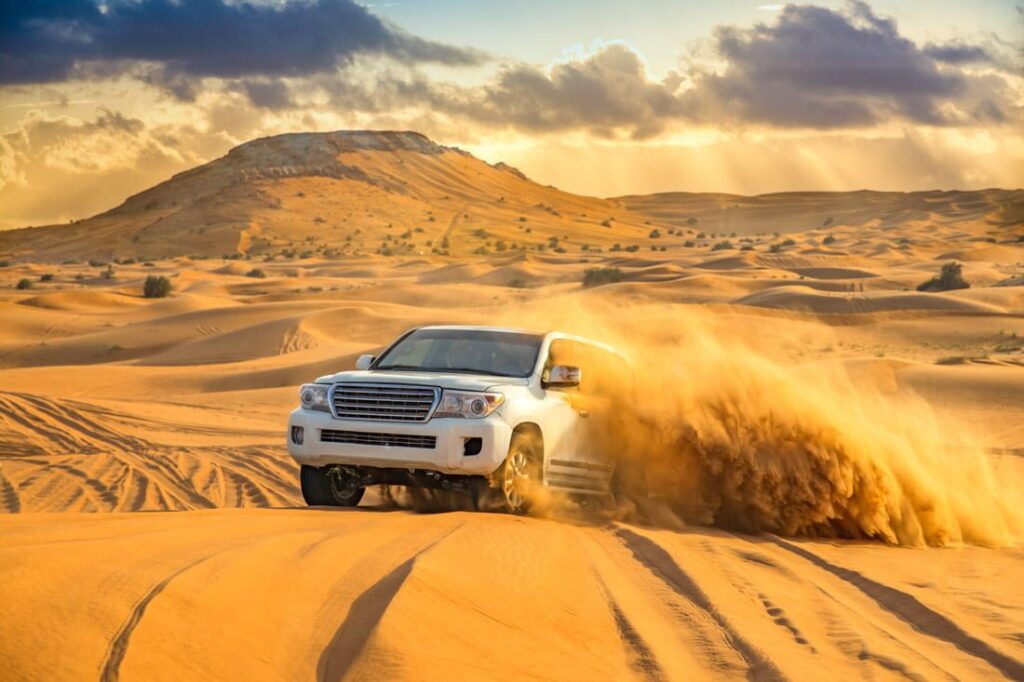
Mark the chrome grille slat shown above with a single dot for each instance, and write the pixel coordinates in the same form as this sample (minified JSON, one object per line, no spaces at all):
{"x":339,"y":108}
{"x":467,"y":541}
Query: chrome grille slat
{"x":384,"y":402}
{"x":393,"y":440}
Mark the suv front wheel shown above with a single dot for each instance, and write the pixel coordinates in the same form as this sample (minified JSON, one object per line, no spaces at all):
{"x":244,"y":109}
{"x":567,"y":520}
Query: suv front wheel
{"x":512,"y":486}
{"x":322,"y":487}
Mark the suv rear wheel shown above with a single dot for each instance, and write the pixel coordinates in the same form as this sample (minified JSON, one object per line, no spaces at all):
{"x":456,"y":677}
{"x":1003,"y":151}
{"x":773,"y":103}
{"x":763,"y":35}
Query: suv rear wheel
{"x":323,"y":487}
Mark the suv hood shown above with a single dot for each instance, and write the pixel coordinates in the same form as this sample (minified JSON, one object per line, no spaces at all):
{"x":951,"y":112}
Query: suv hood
{"x":458,"y":382}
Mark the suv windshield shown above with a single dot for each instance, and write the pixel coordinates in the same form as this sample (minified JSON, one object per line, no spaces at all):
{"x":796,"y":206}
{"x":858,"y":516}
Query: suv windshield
{"x":473,"y":351}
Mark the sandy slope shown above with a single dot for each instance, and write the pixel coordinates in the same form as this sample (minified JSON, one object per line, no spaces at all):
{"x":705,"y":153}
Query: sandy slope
{"x":305,"y":594}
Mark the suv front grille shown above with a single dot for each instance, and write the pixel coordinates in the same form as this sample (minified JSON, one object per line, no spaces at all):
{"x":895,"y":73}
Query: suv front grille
{"x":384,"y":402}
{"x":391,"y":440}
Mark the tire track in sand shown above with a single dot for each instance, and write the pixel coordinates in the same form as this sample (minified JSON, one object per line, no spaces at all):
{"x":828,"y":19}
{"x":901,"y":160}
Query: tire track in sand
{"x":663,"y":566}
{"x":110,"y":672}
{"x":910,"y":610}
{"x":365,"y":613}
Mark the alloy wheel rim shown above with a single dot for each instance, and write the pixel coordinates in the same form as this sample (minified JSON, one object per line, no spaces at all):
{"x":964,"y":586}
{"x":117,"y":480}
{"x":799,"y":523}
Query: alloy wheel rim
{"x":516,"y":479}
{"x":340,"y":492}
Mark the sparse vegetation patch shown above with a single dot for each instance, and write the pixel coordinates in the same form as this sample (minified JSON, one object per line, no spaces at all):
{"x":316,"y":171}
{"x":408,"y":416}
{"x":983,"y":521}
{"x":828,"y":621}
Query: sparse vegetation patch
{"x":156,"y":286}
{"x":595,"y":277}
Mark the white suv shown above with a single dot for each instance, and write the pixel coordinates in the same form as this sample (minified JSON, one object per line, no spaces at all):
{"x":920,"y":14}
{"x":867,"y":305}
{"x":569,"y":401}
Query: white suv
{"x":486,"y":411}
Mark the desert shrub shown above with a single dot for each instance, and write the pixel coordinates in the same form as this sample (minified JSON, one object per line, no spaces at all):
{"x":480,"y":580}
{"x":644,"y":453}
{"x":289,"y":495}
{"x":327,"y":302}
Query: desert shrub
{"x":747,"y":247}
{"x":256,"y":272}
{"x":789,"y":242}
{"x":632,"y":248}
{"x":775,"y":248}
{"x":96,"y":263}
{"x":830,"y":239}
{"x":689,"y":243}
{"x":24,"y":283}
{"x":655,"y":233}
{"x":595,"y":277}
{"x":607,"y":222}
{"x":692,"y":221}
{"x":722,"y":246}
{"x":156,"y":286}
{"x":616,"y":247}
{"x":109,"y":272}
{"x":48,"y":277}
{"x":949,"y":278}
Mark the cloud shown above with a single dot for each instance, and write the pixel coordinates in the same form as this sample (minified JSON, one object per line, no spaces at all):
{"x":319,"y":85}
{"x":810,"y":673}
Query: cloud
{"x":809,"y":68}
{"x":608,"y":90}
{"x":55,"y":40}
{"x":267,"y":94}
{"x":958,"y":52}
{"x":819,"y":68}
{"x":54,"y":168}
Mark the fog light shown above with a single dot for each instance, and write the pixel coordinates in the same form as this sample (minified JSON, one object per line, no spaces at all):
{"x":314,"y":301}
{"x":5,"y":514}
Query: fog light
{"x":472,"y":447}
{"x":298,"y":435}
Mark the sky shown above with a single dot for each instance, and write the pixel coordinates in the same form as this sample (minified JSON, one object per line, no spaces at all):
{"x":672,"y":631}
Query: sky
{"x":100,"y":99}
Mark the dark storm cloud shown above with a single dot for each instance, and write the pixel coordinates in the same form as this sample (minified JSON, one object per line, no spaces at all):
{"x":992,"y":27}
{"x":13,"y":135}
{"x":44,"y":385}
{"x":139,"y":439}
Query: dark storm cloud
{"x":819,"y":68}
{"x":958,"y":53}
{"x":267,"y":94}
{"x":46,"y":41}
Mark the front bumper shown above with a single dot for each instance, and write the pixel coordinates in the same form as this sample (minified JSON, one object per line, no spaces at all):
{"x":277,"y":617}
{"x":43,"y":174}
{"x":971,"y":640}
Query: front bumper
{"x":449,"y":454}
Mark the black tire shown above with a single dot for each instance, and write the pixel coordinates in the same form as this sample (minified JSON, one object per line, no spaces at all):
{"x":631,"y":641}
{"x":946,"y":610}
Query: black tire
{"x":510,"y":488}
{"x":322,"y":489}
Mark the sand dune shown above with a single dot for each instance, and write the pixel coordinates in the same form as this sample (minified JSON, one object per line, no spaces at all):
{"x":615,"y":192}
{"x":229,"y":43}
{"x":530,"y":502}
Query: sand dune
{"x":796,"y":382}
{"x":804,"y":298}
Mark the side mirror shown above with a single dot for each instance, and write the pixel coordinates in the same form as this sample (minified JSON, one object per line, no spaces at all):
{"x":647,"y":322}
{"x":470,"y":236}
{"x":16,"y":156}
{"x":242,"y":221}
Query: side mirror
{"x":563,"y":376}
{"x":365,"y":361}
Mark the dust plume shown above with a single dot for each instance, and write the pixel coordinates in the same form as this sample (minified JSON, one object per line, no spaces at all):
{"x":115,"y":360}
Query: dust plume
{"x":725,"y":435}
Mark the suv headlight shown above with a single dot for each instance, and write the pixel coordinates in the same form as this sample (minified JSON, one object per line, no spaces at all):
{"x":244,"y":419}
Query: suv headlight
{"x":468,"y":404}
{"x":314,"y":397}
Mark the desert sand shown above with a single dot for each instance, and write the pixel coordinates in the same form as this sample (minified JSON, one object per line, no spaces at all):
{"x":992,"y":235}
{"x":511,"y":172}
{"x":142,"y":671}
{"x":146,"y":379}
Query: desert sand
{"x":841,"y":455}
